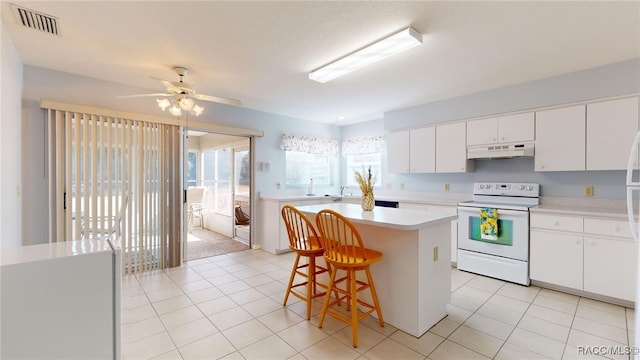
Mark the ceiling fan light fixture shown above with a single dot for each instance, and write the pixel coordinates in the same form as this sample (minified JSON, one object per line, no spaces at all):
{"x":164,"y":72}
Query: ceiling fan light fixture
{"x":163,"y":103}
{"x":197,"y":109}
{"x":372,"y":53}
{"x":186,"y":104}
{"x":175,"y":110}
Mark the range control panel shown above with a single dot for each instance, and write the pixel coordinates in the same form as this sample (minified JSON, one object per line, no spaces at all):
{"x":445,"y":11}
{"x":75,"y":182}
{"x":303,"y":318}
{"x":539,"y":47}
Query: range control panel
{"x":506,"y":189}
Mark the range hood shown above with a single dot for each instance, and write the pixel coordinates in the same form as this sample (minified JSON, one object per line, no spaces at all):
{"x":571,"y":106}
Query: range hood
{"x":500,"y":151}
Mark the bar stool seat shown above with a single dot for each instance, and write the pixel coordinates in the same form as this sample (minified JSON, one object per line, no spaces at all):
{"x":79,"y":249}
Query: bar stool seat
{"x":304,"y":240}
{"x":344,"y":250}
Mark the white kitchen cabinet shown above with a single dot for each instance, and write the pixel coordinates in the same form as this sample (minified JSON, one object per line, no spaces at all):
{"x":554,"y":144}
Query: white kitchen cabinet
{"x":609,"y":253}
{"x":482,"y":131}
{"x":610,"y":267}
{"x":556,"y":258}
{"x":272,"y":233}
{"x":611,"y":129}
{"x":502,"y":129}
{"x":451,"y":149}
{"x":398,"y":150}
{"x":560,"y":139}
{"x":411,"y":150}
{"x":422,"y":153}
{"x":584,"y":253}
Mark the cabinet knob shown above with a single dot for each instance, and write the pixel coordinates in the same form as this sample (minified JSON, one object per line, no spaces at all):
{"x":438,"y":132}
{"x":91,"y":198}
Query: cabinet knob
{"x":557,"y":223}
{"x":616,"y":229}
{"x":578,"y":242}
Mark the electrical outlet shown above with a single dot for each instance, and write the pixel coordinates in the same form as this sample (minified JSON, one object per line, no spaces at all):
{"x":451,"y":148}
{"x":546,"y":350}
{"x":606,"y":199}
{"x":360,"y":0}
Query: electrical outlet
{"x":435,"y":254}
{"x":401,"y":186}
{"x":278,"y":185}
{"x":446,"y":187}
{"x":387,"y":186}
{"x":588,"y":190}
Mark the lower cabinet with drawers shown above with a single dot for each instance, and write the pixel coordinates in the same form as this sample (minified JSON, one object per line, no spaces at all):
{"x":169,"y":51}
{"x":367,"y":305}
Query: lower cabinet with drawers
{"x":590,"y":254}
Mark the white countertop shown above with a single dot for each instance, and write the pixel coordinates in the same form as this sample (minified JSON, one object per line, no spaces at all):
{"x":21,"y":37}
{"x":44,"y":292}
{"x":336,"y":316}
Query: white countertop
{"x":400,"y":219}
{"x":410,"y":197}
{"x":617,"y":214}
{"x":25,"y":254}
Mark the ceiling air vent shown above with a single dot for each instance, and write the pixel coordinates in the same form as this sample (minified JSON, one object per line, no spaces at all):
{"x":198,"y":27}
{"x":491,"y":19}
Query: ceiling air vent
{"x":36,"y":20}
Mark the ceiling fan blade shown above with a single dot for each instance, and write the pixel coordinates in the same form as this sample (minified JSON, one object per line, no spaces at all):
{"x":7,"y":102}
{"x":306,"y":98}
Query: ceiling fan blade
{"x":144,"y":95}
{"x":170,"y":87}
{"x":217,"y":99}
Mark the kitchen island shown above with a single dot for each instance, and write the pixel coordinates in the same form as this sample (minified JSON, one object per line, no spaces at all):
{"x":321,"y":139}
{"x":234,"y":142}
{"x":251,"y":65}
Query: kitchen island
{"x":413,"y":279}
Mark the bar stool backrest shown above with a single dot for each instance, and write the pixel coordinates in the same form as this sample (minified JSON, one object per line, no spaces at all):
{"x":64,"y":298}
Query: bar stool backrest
{"x":302,"y":235}
{"x":342,"y":241}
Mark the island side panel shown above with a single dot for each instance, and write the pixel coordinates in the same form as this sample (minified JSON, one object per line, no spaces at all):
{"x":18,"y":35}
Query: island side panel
{"x":396,"y":275}
{"x":434,"y":274}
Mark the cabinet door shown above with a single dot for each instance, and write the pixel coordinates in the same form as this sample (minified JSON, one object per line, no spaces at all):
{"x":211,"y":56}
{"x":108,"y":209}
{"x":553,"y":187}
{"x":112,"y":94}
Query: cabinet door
{"x":482,"y":131}
{"x":611,"y":129}
{"x":609,"y":267}
{"x":560,"y":139}
{"x":516,"y":128}
{"x":451,"y":149}
{"x":556,"y":258}
{"x":422,"y":154}
{"x":398,"y":152}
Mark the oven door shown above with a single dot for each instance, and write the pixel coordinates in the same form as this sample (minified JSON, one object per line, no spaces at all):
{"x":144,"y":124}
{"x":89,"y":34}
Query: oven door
{"x":513,"y":233}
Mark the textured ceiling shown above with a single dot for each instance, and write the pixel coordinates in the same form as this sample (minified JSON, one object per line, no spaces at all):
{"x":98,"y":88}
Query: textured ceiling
{"x":261,"y":52}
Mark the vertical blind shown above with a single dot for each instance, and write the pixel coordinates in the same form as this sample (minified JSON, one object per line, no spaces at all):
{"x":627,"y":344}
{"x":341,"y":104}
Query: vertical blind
{"x":120,"y":178}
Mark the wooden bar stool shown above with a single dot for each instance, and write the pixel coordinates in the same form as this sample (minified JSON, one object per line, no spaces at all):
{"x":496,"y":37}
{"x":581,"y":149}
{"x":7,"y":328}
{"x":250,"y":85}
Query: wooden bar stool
{"x":304,"y":240}
{"x":344,"y":250}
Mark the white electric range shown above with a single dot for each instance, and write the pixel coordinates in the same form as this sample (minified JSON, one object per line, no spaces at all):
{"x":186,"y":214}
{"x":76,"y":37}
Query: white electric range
{"x":506,"y":256}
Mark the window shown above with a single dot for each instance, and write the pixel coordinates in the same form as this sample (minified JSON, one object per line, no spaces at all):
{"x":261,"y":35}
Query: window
{"x":309,"y":158}
{"x":361,"y":153}
{"x":302,"y":166}
{"x":192,"y":167}
{"x":360,"y":163}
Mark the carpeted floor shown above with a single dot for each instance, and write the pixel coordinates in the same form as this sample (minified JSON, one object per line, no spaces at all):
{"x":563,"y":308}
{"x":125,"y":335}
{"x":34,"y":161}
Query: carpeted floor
{"x":204,"y":243}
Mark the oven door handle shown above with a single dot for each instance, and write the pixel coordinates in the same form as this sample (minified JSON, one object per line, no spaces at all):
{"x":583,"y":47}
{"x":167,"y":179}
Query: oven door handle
{"x":500,"y":211}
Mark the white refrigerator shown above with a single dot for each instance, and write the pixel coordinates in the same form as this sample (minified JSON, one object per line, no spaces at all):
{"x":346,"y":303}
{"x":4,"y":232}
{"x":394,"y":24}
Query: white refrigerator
{"x":61,"y":300}
{"x":633,"y":206}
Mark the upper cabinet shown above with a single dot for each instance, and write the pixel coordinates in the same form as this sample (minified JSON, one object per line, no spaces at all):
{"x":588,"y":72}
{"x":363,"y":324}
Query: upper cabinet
{"x":502,"y":129}
{"x":428,"y":149}
{"x":398,"y":151}
{"x":611,"y":128}
{"x":412,"y":150}
{"x":451,"y":152}
{"x":422,"y":154}
{"x":560,"y":139}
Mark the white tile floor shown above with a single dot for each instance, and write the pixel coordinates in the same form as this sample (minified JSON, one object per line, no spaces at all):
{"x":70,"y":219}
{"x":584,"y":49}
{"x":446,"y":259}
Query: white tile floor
{"x":230,"y":307}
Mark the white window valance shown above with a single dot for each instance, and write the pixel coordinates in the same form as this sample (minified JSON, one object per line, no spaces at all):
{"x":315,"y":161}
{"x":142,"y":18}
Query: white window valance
{"x":363,"y":145}
{"x":309,"y":145}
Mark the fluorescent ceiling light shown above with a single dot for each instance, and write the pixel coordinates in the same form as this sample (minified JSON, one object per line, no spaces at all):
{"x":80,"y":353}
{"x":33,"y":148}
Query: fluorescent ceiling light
{"x":391,"y":45}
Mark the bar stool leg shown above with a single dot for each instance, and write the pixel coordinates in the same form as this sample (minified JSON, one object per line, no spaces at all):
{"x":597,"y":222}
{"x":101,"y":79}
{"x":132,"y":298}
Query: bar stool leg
{"x":354,"y":307}
{"x":374,"y":295}
{"x":311,"y":283}
{"x":293,"y":275}
{"x":327,"y":297}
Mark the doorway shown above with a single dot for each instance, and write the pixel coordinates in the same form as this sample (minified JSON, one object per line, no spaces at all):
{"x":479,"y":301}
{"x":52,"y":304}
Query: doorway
{"x":218,"y":194}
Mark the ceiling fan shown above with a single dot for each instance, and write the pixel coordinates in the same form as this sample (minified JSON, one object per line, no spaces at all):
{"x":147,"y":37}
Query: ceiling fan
{"x":181,"y":94}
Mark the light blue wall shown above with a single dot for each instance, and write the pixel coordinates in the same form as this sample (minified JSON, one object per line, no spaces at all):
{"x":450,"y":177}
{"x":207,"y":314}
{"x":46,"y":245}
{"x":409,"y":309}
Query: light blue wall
{"x":606,"y":81}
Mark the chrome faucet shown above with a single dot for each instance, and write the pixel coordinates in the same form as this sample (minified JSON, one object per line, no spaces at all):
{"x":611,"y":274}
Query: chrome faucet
{"x":342,"y":189}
